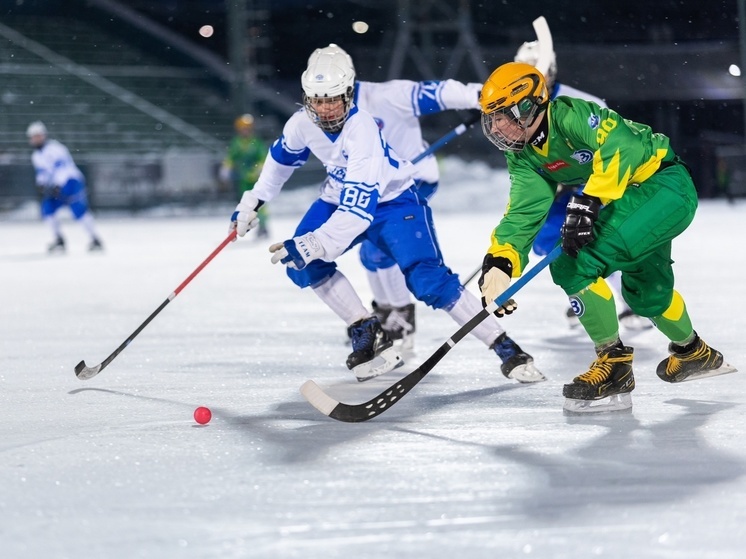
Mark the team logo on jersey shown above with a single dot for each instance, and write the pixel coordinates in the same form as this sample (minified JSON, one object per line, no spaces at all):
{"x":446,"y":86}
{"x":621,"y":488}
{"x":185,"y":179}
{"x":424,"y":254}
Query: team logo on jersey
{"x":379,"y":122}
{"x":583,"y":156}
{"x":556,"y":165}
{"x":577,"y":306}
{"x":594,"y":121}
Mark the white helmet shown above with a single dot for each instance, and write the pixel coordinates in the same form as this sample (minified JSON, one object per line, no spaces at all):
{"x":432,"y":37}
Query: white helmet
{"x":330,"y":75}
{"x":528,"y":53}
{"x":332,"y":49}
{"x":36,"y":128}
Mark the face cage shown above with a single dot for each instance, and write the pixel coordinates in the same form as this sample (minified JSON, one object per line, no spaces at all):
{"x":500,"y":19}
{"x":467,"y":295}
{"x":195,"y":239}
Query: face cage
{"x":519,"y":123}
{"x":332,"y":125}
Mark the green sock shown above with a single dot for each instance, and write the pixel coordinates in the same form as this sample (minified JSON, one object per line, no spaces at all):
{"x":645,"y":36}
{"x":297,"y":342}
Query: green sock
{"x":675,"y":323}
{"x":597,"y":312}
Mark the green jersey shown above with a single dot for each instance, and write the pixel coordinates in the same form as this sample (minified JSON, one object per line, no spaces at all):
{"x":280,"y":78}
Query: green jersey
{"x":579,"y":143}
{"x":245,"y":158}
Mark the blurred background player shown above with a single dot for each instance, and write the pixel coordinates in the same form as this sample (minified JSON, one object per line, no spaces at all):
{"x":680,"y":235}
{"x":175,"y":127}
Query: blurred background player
{"x":368,"y":194}
{"x":60,"y":183}
{"x":243,"y":163}
{"x":546,"y":240}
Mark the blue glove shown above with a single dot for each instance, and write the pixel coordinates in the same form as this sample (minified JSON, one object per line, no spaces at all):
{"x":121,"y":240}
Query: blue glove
{"x":297,"y":252}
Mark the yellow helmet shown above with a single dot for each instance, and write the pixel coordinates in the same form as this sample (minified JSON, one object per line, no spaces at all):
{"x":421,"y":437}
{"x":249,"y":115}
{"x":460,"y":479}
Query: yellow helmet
{"x":244,"y":123}
{"x":517,"y":93}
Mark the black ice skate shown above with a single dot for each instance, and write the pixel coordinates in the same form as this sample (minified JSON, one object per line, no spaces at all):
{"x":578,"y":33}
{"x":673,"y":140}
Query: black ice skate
{"x":516,"y":363}
{"x":632,"y":321}
{"x":95,"y":246}
{"x":57,"y":246}
{"x":697,"y":360}
{"x":572,"y":319}
{"x":373,"y":351}
{"x":606,"y":386}
{"x":400,"y":325}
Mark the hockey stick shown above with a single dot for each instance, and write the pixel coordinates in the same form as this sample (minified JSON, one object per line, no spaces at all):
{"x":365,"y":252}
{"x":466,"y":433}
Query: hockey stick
{"x":546,"y":45}
{"x":355,"y":413}
{"x":83,"y":372}
{"x":460,"y":129}
{"x":472,"y":276}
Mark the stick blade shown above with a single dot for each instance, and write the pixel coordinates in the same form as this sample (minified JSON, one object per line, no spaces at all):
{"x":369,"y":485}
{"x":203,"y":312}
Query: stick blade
{"x":318,"y":398}
{"x":84,"y":373}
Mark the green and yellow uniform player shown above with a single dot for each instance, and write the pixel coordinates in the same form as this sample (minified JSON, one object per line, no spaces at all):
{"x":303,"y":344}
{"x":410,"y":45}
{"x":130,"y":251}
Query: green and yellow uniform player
{"x":638,"y":197}
{"x":243,"y":163}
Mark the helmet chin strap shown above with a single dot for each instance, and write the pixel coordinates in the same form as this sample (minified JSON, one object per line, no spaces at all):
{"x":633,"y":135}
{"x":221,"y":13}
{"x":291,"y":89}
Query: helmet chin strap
{"x":546,"y":45}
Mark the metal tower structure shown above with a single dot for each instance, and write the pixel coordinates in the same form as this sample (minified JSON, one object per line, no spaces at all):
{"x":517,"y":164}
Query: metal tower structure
{"x":420,"y":25}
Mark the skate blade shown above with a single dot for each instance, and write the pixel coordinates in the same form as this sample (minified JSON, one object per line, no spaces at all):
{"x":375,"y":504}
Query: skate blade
{"x":616,"y":402}
{"x":388,"y":360}
{"x":526,"y":374}
{"x":725,"y":368}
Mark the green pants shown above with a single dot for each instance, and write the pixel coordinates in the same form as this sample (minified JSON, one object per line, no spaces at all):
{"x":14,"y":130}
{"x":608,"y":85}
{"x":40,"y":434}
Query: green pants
{"x":634,"y":234}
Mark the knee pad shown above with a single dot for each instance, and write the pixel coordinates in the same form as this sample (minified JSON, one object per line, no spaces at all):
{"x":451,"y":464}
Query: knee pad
{"x":373,"y":258}
{"x":434,"y":284}
{"x":315,"y":273}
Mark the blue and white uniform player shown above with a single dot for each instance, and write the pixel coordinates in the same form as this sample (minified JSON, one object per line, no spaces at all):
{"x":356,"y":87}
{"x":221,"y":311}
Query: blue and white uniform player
{"x":546,"y":240}
{"x":397,"y":106}
{"x":60,"y":183}
{"x":368,"y":194}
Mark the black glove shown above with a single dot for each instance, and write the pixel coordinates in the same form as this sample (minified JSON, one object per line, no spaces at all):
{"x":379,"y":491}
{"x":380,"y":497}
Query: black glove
{"x":494,"y":280}
{"x":577,"y":230}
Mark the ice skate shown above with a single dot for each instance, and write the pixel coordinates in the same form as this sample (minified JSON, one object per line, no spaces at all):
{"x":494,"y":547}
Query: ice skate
{"x":58,"y":246}
{"x":381,"y":312}
{"x":632,"y":321}
{"x":572,"y":320}
{"x":400,"y":326}
{"x":373,"y":352}
{"x":95,"y":246}
{"x":516,"y":363}
{"x":700,"y":361}
{"x":606,"y":386}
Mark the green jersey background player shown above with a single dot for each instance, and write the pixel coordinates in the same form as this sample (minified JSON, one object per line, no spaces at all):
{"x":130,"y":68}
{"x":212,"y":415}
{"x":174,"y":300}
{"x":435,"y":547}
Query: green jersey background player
{"x":638,"y":197}
{"x":243,"y":163}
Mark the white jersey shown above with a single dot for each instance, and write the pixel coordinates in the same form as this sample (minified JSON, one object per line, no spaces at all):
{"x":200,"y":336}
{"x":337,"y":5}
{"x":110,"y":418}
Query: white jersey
{"x":54,"y":165}
{"x":360,"y":166}
{"x":567,"y":91}
{"x":397,"y":105}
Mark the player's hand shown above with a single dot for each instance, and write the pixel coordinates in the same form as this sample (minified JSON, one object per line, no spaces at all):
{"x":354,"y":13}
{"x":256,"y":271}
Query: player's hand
{"x":494,"y":280}
{"x":244,"y":218}
{"x":577,"y":230}
{"x":297,"y":252}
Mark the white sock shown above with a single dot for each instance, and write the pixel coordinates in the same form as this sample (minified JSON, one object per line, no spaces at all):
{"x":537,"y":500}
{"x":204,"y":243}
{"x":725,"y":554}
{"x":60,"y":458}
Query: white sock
{"x":466,"y":308}
{"x":54,"y":225}
{"x":393,"y":282}
{"x":339,"y":295}
{"x":86,"y":220}
{"x":379,"y":293}
{"x":615,"y":281}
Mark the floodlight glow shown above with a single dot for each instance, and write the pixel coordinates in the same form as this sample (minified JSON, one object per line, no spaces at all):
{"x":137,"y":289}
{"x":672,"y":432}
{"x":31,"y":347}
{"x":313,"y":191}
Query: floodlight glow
{"x":734,"y":70}
{"x":206,"y":31}
{"x":360,"y":27}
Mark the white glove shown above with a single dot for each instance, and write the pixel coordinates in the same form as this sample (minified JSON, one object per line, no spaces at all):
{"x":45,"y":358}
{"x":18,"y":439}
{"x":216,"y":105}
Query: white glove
{"x":297,"y":252}
{"x":494,"y":281}
{"x":244,"y":218}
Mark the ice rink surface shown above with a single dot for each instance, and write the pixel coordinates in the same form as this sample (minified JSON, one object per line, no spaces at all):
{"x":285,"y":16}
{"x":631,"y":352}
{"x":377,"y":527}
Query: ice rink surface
{"x":469,"y":464}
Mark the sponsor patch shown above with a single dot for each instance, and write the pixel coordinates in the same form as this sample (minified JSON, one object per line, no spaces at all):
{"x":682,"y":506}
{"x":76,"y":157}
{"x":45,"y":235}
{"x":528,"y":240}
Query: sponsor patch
{"x":583,"y":156}
{"x":594,"y":121}
{"x":556,"y":165}
{"x":577,"y":306}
